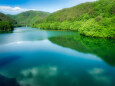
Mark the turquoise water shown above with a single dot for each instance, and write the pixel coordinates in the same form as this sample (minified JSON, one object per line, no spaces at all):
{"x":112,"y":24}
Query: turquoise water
{"x":37,"y":57}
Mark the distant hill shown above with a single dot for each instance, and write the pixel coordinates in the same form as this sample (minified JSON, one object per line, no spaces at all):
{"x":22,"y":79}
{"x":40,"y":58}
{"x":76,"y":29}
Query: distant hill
{"x":6,"y":23}
{"x":85,"y":11}
{"x":4,"y":17}
{"x":96,"y":19}
{"x":29,"y":17}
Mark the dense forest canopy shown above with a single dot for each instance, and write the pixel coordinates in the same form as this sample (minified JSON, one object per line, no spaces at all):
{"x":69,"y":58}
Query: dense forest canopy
{"x":4,"y":17}
{"x":6,"y":23}
{"x":95,"y":19}
{"x":29,"y":17}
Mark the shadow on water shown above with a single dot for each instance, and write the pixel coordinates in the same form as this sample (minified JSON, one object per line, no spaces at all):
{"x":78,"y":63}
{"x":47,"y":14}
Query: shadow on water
{"x":5,"y":32}
{"x":104,"y":48}
{"x":6,"y":60}
{"x":4,"y":81}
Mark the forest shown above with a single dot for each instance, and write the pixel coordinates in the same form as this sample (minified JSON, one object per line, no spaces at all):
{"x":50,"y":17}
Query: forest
{"x":29,"y":17}
{"x":6,"y":23}
{"x":95,"y":19}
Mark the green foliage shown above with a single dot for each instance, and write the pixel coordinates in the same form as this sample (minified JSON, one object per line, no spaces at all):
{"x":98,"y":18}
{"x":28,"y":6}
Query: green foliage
{"x":102,"y":28}
{"x":76,"y":25}
{"x":5,"y":26}
{"x":4,"y":17}
{"x":95,"y":19}
{"x":29,"y":17}
{"x":70,"y":14}
{"x":54,"y":25}
{"x":6,"y":23}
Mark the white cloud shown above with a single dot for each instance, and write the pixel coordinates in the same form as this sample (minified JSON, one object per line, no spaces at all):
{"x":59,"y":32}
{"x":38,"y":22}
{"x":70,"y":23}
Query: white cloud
{"x":98,"y":74}
{"x":12,"y":10}
{"x":31,"y":76}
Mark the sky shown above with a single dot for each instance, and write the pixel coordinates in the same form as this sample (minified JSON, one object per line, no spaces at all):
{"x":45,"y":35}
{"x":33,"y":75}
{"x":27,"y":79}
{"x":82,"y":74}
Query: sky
{"x":17,"y":6}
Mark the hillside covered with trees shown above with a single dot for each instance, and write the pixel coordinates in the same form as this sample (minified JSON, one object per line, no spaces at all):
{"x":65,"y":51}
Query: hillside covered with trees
{"x":6,"y":23}
{"x":29,"y":17}
{"x":96,"y":19}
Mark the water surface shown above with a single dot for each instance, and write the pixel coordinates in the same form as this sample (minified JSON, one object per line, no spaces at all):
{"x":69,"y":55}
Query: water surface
{"x":35,"y":57}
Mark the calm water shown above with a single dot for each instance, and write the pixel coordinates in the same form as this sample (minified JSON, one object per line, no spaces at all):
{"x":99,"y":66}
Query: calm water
{"x":33,"y":57}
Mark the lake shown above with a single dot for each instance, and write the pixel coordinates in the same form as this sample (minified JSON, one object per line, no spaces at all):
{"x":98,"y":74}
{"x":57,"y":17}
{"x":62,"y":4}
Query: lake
{"x":34,"y":57}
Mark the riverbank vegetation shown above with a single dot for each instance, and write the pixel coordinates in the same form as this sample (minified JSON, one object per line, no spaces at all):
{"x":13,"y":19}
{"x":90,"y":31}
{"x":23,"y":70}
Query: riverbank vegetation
{"x":6,"y":23}
{"x":96,"y":19}
{"x":5,"y":26}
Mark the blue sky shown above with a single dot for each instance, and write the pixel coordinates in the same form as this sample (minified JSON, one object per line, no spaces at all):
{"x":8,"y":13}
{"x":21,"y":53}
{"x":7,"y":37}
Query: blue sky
{"x":17,"y":6}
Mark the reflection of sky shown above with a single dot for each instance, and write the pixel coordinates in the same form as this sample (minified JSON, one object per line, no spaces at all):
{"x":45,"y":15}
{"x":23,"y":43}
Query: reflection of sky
{"x":62,"y":76}
{"x":22,"y":38}
{"x":40,"y":62}
{"x":30,"y":34}
{"x":45,"y":64}
{"x":99,"y":75}
{"x":33,"y":76}
{"x":41,"y":45}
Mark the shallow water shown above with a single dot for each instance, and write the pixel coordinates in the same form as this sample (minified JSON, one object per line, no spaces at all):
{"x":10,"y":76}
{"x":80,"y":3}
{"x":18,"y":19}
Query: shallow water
{"x":37,"y":57}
